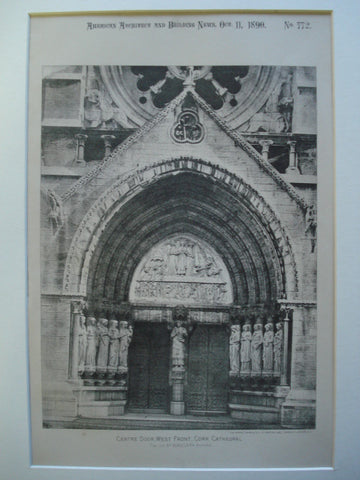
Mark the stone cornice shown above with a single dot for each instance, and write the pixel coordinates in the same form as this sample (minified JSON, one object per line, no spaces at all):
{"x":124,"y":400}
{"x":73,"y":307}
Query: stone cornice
{"x":296,"y":303}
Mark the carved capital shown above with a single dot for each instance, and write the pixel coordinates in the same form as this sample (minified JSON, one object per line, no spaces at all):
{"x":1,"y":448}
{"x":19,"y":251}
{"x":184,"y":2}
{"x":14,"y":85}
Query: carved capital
{"x":265,"y":144}
{"x":108,"y":139}
{"x":79,"y":306}
{"x":292,"y":145}
{"x":81,"y":139}
{"x":286,"y":313}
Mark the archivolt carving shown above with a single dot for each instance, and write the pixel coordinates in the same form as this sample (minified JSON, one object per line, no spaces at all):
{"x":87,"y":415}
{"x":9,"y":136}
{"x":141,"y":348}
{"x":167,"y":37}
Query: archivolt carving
{"x":100,"y":214}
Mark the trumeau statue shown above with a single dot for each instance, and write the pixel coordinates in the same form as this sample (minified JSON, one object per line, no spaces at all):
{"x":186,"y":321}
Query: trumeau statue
{"x":245,"y":351}
{"x":256,"y":344}
{"x":114,"y":336}
{"x":125,"y":334}
{"x":278,"y":346}
{"x":178,"y":336}
{"x":268,"y":353}
{"x":234,"y":349}
{"x":103,"y":341}
{"x":90,"y":359}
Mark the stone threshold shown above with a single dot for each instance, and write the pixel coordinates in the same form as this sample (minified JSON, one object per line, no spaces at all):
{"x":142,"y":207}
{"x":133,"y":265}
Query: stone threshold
{"x":159,"y":421}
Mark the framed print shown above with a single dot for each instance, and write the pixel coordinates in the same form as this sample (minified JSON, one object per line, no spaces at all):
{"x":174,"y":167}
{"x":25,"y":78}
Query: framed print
{"x":181,"y":240}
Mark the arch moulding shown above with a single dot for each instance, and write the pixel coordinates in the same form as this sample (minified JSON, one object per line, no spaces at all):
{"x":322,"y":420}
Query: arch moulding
{"x":101,"y":213}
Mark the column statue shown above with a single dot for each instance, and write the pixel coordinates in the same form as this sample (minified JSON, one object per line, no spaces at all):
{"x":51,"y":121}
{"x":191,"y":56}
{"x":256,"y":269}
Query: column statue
{"x":278,"y":346}
{"x":125,"y":335}
{"x":268,"y":351}
{"x":103,"y":342}
{"x":82,"y":343}
{"x":256,"y":349}
{"x":234,"y":349}
{"x":114,"y":345}
{"x":245,"y":349}
{"x":91,"y":345}
{"x":178,"y":336}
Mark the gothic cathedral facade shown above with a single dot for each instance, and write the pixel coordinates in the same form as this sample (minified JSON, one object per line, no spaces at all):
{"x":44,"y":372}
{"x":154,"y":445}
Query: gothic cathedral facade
{"x":178,"y":247}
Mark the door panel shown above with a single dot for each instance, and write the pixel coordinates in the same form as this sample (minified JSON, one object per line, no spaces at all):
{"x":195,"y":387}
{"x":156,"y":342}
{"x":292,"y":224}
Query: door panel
{"x":197,"y":370}
{"x":149,"y":367}
{"x":207,"y":390}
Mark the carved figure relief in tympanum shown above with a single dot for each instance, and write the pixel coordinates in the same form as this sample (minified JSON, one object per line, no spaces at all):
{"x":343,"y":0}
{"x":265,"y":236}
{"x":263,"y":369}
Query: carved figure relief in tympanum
{"x":182,"y":269}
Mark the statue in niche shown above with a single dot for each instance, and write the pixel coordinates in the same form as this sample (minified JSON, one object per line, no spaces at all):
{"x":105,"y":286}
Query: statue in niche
{"x":256,"y":349}
{"x":178,"y":335}
{"x":91,"y":345}
{"x":268,"y":352}
{"x":82,"y":342}
{"x":278,"y":347}
{"x":234,"y":349}
{"x":245,"y":349}
{"x":125,"y":336}
{"x":286,"y":100}
{"x":99,"y":110}
{"x":114,"y":336}
{"x":103,"y":342}
{"x":276,"y":116}
{"x":55,"y":212}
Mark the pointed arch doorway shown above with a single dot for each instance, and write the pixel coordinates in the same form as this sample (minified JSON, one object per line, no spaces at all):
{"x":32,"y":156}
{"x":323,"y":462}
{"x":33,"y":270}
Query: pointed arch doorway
{"x":180,"y":274}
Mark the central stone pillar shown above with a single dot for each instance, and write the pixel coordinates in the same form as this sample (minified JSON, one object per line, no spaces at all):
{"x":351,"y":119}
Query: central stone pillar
{"x":179,"y":344}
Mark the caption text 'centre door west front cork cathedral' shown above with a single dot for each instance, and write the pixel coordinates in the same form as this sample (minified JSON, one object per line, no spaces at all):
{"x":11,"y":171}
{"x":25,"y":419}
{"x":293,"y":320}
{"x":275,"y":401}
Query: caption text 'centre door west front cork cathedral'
{"x":178,"y":247}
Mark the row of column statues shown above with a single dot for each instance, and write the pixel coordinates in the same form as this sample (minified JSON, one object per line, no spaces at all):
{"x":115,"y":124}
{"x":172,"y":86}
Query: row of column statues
{"x":102,"y":345}
{"x":256,"y":350}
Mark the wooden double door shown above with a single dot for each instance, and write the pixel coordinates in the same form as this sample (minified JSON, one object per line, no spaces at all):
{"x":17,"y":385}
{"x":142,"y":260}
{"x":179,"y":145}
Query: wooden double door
{"x":208,"y":367}
{"x":206,"y":379}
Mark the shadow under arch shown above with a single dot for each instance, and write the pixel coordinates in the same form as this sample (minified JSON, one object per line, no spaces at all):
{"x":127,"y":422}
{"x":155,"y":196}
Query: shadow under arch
{"x":181,"y":195}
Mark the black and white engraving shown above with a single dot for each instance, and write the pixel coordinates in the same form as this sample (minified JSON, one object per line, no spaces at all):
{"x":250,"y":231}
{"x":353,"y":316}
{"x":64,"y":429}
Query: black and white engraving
{"x":178,"y":247}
